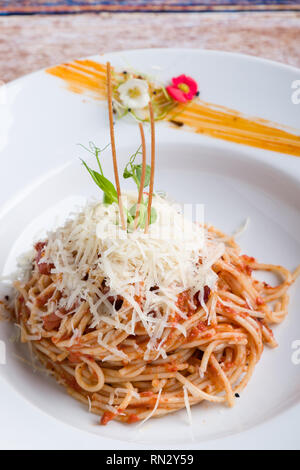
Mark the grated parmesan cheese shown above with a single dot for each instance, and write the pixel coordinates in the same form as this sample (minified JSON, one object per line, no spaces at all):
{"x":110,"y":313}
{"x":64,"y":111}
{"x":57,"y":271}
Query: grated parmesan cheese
{"x":148,"y":271}
{"x":152,"y":411}
{"x":187,"y":405}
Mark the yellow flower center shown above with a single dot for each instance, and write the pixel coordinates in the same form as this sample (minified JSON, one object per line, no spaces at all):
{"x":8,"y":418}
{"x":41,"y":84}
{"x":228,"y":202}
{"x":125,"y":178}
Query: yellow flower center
{"x":134,"y":92}
{"x":183,"y":87}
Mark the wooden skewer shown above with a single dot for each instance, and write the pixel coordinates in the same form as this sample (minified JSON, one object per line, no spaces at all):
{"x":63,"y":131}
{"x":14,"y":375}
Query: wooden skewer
{"x":152,"y":168}
{"x":113,"y":145}
{"x":142,"y":176}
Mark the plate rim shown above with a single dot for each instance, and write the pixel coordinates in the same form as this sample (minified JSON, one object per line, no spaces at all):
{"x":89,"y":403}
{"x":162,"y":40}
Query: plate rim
{"x":237,"y":55}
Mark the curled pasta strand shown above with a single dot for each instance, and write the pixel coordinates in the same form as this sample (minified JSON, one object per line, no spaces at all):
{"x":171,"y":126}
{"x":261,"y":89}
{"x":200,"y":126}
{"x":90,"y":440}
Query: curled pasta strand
{"x":97,"y":371}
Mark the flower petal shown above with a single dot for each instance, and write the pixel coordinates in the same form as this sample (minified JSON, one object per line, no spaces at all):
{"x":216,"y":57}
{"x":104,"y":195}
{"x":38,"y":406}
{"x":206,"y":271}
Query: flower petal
{"x":176,"y":94}
{"x":192,"y":84}
{"x":141,"y":99}
{"x":189,"y":96}
{"x":177,"y":80}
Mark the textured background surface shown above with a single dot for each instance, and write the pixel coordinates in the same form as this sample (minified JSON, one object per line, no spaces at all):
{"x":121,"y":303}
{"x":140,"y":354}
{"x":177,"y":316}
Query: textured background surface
{"x":28,"y":43}
{"x":75,"y":6}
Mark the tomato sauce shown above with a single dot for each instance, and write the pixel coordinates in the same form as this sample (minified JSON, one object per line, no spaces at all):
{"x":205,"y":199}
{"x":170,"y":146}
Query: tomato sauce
{"x":44,"y":268}
{"x":107,"y":417}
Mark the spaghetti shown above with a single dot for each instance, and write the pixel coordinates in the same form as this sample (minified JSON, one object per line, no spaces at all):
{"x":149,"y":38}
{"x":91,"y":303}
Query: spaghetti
{"x":96,"y":342}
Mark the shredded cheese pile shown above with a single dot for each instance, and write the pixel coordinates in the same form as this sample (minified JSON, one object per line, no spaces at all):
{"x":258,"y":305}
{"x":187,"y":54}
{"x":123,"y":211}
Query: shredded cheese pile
{"x":148,"y":271}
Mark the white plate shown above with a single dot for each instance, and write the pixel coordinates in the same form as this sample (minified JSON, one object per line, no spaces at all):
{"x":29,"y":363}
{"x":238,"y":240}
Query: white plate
{"x":40,"y":164}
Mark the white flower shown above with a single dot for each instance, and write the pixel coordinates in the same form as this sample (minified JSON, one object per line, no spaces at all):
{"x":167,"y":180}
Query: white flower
{"x":134,"y":93}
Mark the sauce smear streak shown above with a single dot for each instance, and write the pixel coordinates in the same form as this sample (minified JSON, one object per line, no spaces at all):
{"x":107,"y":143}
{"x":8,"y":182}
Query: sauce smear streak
{"x":87,"y":76}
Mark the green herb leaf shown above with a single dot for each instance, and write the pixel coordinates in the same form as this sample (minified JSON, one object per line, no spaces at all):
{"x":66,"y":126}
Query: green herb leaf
{"x":153,"y":216}
{"x":135,"y":171}
{"x":107,"y":187}
{"x":143,"y":214}
{"x":109,"y":191}
{"x":127,"y":174}
{"x":107,"y":199}
{"x":138,"y":171}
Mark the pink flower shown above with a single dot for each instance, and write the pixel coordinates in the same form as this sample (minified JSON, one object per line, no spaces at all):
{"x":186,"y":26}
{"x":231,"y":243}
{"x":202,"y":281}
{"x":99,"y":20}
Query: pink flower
{"x":183,"y":89}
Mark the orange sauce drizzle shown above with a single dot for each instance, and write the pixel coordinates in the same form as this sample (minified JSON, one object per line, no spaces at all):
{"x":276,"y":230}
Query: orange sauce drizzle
{"x":83,"y":76}
{"x":87,"y":76}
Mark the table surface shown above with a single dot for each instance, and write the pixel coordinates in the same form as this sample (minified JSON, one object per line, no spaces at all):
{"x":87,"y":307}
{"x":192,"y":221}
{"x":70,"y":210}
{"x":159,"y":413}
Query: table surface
{"x":75,"y":6}
{"x":27,"y":43}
